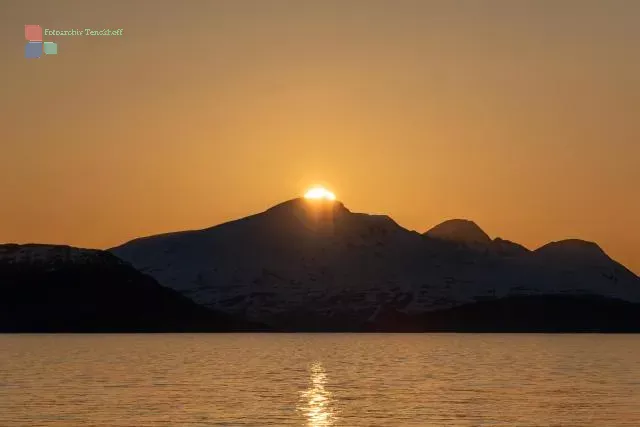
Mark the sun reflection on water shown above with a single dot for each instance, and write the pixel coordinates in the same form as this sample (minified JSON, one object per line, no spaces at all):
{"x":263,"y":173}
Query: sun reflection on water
{"x":316,"y":402}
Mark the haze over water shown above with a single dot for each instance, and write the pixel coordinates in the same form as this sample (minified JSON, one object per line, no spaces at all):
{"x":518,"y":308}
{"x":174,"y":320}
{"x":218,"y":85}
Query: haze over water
{"x":320,"y":380}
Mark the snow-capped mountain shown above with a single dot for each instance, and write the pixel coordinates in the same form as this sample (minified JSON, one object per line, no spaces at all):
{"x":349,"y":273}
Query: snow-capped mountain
{"x":315,"y":260}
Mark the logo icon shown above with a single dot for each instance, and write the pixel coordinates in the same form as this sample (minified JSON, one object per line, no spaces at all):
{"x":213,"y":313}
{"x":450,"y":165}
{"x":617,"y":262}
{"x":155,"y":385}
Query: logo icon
{"x":35,"y":46}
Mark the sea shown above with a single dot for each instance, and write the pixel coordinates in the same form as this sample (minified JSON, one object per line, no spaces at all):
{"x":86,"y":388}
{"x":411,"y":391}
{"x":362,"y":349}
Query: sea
{"x":319,"y":379}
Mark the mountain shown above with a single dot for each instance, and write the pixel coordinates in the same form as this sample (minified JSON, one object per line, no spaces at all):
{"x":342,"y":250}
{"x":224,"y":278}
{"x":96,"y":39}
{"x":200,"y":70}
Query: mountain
{"x":46,"y":288}
{"x":315,"y":265}
{"x":459,"y":230}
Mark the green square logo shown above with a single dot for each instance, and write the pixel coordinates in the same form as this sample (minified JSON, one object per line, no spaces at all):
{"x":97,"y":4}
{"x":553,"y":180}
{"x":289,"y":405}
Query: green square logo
{"x":50,"y":48}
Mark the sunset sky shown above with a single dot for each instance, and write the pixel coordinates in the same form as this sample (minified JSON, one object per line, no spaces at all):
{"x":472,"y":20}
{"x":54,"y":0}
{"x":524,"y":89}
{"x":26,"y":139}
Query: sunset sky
{"x":523,"y":116}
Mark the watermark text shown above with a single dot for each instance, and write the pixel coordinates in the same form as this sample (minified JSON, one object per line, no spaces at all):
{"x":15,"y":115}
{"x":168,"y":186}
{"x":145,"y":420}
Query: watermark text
{"x":84,"y":32}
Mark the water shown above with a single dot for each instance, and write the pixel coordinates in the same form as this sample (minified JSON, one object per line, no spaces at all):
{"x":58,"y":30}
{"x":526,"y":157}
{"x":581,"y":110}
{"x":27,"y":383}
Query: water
{"x":320,"y":380}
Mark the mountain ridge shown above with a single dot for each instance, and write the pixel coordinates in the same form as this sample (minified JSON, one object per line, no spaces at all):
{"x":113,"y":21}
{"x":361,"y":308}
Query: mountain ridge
{"x":318,"y":258}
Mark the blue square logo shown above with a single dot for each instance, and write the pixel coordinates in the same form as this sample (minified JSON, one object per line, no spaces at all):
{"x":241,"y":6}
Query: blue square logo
{"x":33,"y":50}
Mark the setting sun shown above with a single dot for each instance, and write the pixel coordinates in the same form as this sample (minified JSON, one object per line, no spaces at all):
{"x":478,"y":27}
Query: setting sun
{"x":319,"y":193}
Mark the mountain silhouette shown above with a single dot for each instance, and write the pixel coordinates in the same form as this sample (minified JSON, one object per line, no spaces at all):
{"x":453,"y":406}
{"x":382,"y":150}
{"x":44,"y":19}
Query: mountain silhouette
{"x":48,"y":288}
{"x":315,"y":265}
{"x":459,"y":230}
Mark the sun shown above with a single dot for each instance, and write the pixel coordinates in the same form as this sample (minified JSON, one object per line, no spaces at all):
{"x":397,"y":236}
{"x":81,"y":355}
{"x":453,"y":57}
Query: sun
{"x":319,"y":193}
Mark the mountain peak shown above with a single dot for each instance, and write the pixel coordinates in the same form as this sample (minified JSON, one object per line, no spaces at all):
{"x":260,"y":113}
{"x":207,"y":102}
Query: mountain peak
{"x":300,"y":203}
{"x":459,"y":230}
{"x":300,"y":207}
{"x":573,"y":249}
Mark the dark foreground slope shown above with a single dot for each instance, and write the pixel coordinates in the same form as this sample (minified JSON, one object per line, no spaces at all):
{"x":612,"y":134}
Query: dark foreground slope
{"x":536,"y":313}
{"x":46,"y":288}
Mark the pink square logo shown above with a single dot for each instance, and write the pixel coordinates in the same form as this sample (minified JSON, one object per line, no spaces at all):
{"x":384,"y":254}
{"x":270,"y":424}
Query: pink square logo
{"x":33,"y":33}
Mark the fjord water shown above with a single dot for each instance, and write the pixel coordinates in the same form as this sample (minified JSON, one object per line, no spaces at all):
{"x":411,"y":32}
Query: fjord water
{"x":320,"y":380}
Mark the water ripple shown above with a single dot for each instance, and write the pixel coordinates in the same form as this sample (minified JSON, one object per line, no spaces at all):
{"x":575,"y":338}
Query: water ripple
{"x":317,"y":380}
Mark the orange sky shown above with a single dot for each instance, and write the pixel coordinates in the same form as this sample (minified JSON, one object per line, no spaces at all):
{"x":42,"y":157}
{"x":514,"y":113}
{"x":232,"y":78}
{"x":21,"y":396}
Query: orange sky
{"x":522,"y":116}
